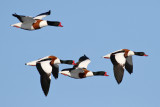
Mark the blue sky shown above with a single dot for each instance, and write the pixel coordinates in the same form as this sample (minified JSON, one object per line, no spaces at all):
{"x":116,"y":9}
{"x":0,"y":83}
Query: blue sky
{"x":91,"y":27}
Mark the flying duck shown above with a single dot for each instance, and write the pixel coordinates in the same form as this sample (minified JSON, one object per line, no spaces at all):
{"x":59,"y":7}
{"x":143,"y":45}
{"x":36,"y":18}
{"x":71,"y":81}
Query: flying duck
{"x":122,"y":59}
{"x":33,"y":23}
{"x":80,"y":71}
{"x":46,"y":66}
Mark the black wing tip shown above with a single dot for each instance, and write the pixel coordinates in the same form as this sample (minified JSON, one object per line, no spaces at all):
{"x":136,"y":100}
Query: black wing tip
{"x":49,"y":12}
{"x":56,"y":77}
{"x":82,"y":58}
{"x":63,"y":70}
{"x":45,"y":90}
{"x":45,"y":83}
{"x":45,"y":93}
{"x":86,"y":56}
{"x":14,"y":14}
{"x":118,"y":82}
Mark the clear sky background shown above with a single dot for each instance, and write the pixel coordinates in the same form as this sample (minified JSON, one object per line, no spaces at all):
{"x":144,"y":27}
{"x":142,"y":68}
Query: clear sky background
{"x":91,"y":27}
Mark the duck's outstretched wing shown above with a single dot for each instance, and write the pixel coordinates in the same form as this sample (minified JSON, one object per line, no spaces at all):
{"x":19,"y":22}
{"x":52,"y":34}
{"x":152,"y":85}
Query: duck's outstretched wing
{"x":83,"y":62}
{"x":44,"y":78}
{"x":42,"y":15}
{"x":118,"y":60}
{"x":24,"y":19}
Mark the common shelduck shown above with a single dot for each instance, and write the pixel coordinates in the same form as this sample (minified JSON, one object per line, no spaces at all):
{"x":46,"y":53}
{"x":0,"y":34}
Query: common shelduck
{"x":46,"y":66}
{"x":80,"y":73}
{"x":122,"y":59}
{"x":79,"y":70}
{"x":33,"y":23}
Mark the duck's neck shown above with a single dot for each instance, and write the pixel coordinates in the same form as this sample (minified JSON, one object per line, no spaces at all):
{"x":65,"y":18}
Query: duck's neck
{"x":131,"y":53}
{"x":53,"y":23}
{"x":140,"y":54}
{"x":71,"y":62}
{"x":100,"y":73}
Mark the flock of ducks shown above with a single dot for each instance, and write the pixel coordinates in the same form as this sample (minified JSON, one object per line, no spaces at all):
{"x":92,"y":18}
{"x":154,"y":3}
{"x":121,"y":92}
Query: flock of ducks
{"x":121,"y":59}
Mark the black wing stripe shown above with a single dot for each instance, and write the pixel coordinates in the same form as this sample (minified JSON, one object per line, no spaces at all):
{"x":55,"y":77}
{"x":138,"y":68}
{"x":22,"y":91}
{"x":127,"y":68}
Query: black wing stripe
{"x":46,"y":13}
{"x":39,"y":68}
{"x":113,"y":59}
{"x":118,"y":52}
{"x":68,"y":69}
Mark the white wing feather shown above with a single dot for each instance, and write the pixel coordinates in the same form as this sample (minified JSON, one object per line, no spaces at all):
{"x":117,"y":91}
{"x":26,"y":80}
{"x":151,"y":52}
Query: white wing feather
{"x":84,"y":64}
{"x":120,"y":58}
{"x":46,"y":66}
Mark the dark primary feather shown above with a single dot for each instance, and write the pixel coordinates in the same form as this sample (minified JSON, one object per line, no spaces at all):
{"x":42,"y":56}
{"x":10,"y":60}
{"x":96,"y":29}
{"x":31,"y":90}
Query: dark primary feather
{"x":44,"y":78}
{"x":19,"y":17}
{"x":118,"y":73}
{"x":45,"y":13}
{"x":55,"y":71}
{"x":82,"y":58}
{"x":45,"y":83}
{"x":129,"y":64}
